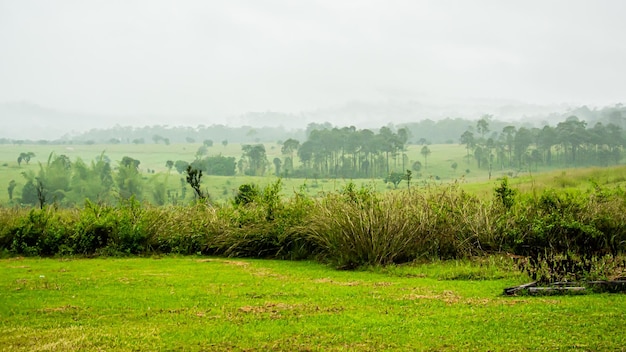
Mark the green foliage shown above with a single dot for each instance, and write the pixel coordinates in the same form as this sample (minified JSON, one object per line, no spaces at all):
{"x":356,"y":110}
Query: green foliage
{"x":505,"y":194}
{"x":94,"y":182}
{"x":194,"y":179}
{"x":10,"y":188}
{"x":42,"y":232}
{"x":256,"y":159}
{"x":263,"y":225}
{"x":395,"y":178}
{"x":561,"y":235}
{"x":216,"y":165}
{"x":181,"y":166}
{"x":29,"y":190}
{"x":128,"y":179}
{"x":246,"y":194}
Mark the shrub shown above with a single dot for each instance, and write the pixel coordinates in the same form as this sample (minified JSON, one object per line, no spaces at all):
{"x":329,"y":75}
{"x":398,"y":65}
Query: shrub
{"x":562,"y":234}
{"x":41,"y":232}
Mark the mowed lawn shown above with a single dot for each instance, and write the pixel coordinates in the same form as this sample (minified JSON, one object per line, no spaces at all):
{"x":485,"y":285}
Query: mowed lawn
{"x":199,"y":303}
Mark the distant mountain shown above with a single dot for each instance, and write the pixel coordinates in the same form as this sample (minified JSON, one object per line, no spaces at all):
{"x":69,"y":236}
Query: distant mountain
{"x":24,"y":120}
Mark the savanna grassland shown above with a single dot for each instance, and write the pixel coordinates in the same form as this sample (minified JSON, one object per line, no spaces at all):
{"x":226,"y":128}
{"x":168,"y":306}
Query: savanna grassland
{"x":220,"y":188}
{"x":255,"y":266}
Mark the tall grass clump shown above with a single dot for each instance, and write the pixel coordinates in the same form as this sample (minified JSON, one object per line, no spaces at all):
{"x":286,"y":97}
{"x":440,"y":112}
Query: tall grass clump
{"x":356,"y":228}
{"x":190,"y":229}
{"x":457,"y":224}
{"x":261,"y":224}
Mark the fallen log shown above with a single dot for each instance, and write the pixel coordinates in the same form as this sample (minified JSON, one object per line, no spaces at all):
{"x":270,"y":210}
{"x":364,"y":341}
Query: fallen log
{"x":535,"y":291}
{"x":510,"y":291}
{"x":611,"y":286}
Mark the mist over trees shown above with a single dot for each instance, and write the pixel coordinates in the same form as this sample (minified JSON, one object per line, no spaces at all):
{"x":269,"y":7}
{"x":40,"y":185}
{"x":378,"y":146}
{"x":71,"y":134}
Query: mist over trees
{"x":321,"y":150}
{"x":423,"y":130}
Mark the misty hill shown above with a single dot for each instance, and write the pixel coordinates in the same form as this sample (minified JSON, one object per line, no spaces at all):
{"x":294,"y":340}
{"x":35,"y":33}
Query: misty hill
{"x":437,"y":122}
{"x":23,"y":120}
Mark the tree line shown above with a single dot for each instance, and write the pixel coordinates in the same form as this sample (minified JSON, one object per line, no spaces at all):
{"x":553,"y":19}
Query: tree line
{"x":568,"y":144}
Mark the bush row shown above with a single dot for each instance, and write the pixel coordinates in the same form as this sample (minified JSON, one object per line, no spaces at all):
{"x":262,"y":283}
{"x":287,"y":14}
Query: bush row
{"x":558,"y":234}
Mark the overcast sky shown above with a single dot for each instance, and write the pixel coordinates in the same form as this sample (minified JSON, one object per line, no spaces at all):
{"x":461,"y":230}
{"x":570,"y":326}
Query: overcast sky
{"x":215,"y":58}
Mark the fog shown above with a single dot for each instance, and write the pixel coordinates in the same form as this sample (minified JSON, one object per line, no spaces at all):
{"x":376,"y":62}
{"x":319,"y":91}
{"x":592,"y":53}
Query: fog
{"x":71,"y":64}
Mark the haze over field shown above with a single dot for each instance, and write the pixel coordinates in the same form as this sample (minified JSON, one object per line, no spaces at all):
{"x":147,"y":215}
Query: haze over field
{"x":70,"y":65}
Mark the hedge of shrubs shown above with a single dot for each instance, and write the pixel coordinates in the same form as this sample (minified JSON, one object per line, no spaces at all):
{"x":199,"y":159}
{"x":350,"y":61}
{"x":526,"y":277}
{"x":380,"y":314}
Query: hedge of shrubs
{"x":554,"y":235}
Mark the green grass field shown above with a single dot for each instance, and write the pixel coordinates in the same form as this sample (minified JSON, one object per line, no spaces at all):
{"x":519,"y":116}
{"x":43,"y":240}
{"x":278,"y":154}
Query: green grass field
{"x":199,"y":303}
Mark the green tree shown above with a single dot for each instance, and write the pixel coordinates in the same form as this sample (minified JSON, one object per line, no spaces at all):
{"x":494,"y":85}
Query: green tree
{"x":277,"y":163}
{"x":509,"y":135}
{"x":54,"y":178}
{"x":25,"y":157}
{"x":467,"y":138}
{"x":202,"y":151}
{"x":216,"y":165}
{"x":29,"y":190}
{"x":289,"y":147}
{"x":128,"y":179}
{"x":12,"y":185}
{"x":395,"y":178}
{"x":572,"y":134}
{"x":521,"y":141}
{"x":180,"y":166}
{"x":479,"y":155}
{"x":482,"y":126}
{"x":194,"y":179}
{"x":93,"y":182}
{"x":417,"y":166}
{"x":425,"y":153}
{"x":256,"y":158}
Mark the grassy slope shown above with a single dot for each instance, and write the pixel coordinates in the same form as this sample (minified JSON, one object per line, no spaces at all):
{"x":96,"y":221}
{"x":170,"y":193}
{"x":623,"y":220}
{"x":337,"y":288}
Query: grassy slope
{"x":218,"y":304}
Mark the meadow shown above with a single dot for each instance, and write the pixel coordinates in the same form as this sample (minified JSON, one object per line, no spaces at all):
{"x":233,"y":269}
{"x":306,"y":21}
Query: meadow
{"x":224,"y":188}
{"x":214,"y":304}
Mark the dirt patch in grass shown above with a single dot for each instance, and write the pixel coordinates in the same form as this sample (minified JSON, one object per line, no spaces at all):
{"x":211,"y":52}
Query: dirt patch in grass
{"x":383,"y":284}
{"x":276,"y":310}
{"x":268,"y":308}
{"x":448,"y":297}
{"x":340,"y":283}
{"x":59,"y":309}
{"x":229,"y":262}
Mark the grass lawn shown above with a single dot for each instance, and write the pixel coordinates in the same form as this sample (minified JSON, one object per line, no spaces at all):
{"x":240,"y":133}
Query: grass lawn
{"x":199,"y":303}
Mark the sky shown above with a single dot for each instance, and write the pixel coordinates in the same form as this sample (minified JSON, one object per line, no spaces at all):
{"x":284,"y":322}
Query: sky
{"x":214,"y":59}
